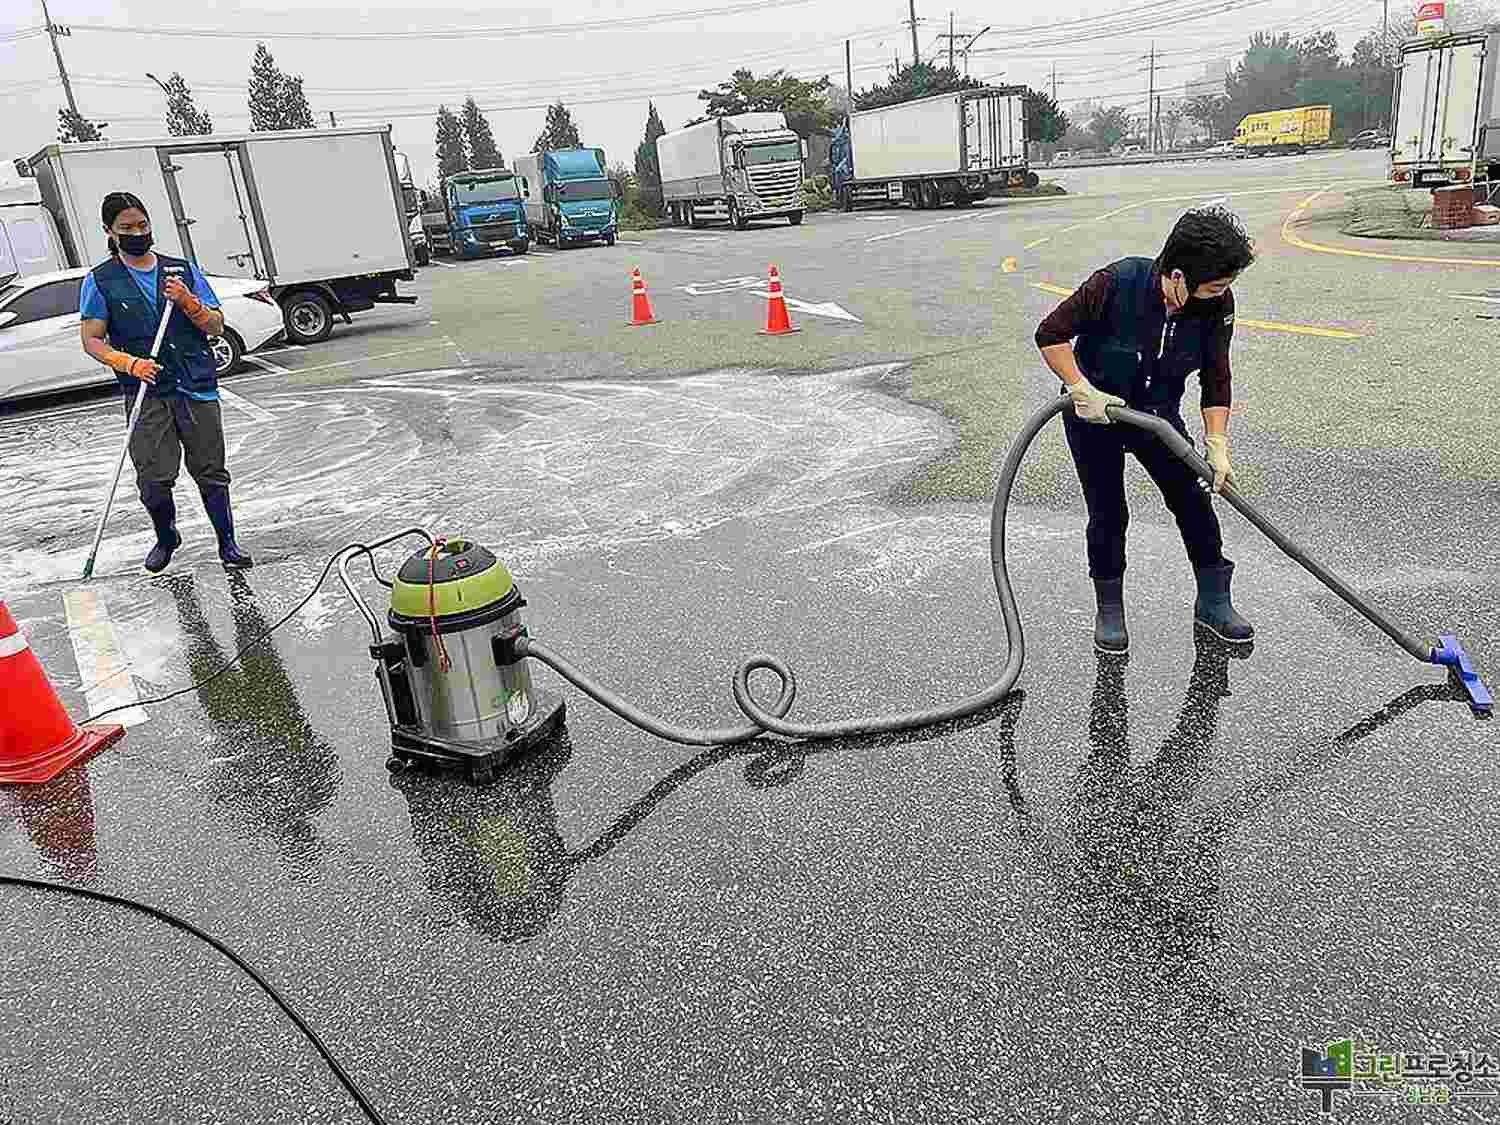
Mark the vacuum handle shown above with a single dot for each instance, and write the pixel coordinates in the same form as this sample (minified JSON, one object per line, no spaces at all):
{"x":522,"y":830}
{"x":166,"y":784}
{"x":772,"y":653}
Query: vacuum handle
{"x":1174,"y":440}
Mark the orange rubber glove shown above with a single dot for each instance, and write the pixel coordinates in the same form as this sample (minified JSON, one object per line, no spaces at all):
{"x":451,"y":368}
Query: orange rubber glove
{"x":194,"y":309}
{"x":145,"y":370}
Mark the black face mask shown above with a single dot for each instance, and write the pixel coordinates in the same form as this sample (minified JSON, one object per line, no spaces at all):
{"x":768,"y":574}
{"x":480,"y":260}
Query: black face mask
{"x":133,"y":244}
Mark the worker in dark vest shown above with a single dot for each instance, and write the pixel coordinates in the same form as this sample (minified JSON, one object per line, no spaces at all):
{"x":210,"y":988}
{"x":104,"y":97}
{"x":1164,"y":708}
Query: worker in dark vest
{"x":1130,"y":336}
{"x":121,"y":304}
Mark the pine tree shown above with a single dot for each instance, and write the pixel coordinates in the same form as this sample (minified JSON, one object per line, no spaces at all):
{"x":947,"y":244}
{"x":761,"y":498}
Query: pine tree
{"x":276,"y":98}
{"x":449,"y":143}
{"x":560,"y":131}
{"x":480,"y":142}
{"x":74,"y":128}
{"x":647,"y":165}
{"x":184,"y":118}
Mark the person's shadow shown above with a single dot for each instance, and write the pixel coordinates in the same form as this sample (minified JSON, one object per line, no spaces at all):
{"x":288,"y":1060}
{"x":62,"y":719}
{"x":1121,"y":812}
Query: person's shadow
{"x":1137,"y":876}
{"x":273,"y":773}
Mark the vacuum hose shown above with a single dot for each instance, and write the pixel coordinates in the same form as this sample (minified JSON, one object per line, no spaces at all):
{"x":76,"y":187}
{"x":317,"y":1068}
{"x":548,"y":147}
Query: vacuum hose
{"x":774,"y":719}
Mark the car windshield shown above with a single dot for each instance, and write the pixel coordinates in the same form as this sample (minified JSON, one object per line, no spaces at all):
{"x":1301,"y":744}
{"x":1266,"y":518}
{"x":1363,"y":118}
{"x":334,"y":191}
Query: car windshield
{"x":584,"y":189}
{"x":485,"y":191}
{"x":779,"y":153}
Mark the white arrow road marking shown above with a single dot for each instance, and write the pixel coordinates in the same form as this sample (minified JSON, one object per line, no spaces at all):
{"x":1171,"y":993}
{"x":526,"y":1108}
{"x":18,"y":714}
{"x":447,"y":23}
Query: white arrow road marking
{"x":829,"y":309}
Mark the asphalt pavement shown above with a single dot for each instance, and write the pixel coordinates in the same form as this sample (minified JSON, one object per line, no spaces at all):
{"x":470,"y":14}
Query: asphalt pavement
{"x":1132,"y":892}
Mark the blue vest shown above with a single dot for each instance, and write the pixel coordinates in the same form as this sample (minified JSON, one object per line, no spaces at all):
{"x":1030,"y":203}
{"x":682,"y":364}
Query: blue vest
{"x":1138,"y":353}
{"x":186,"y":359}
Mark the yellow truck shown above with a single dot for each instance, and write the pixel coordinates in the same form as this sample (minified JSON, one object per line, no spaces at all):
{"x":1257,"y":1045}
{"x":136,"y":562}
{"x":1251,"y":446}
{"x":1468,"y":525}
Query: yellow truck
{"x":1283,"y":130}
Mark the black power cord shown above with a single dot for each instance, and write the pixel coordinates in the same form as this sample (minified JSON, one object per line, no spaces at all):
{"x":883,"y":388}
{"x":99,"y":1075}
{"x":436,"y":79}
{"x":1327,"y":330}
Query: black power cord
{"x":172,"y":920}
{"x":235,"y":659}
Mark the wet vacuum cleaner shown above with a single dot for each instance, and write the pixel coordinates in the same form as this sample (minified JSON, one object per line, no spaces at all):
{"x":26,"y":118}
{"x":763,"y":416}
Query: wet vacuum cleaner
{"x":458,"y":695}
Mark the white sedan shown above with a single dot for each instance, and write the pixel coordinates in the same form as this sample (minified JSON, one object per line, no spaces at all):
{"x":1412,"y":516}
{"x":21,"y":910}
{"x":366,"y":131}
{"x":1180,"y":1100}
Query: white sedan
{"x":40,"y":352}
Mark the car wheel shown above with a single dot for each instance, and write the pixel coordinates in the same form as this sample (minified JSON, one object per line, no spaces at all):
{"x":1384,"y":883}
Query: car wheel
{"x":610,"y":240}
{"x":228,"y":350}
{"x":309,"y":319}
{"x":795,"y":218}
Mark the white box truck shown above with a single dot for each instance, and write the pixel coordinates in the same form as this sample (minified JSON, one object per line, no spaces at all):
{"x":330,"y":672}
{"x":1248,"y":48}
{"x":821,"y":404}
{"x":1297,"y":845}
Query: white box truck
{"x":733,"y":169}
{"x":949,"y":148}
{"x":1445,"y":110}
{"x":319,"y":214}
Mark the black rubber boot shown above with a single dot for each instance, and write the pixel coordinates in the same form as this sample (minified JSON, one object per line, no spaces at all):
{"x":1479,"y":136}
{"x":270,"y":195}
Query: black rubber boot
{"x":1213,"y":609}
{"x":216,"y":504}
{"x":159,"y":505}
{"x":1109,"y":623}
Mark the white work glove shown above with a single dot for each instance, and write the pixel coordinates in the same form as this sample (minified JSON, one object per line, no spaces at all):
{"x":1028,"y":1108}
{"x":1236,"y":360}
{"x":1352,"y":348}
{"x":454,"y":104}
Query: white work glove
{"x":1217,"y":447}
{"x":1089,"y":402}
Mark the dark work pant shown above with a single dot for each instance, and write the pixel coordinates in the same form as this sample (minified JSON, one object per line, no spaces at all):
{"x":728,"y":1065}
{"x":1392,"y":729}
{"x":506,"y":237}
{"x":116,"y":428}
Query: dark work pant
{"x":174,"y":429}
{"x":1099,"y":454}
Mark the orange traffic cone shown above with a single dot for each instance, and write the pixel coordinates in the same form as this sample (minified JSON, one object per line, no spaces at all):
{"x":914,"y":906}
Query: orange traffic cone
{"x":38,"y":740}
{"x":640,"y":313}
{"x":778,"y":322}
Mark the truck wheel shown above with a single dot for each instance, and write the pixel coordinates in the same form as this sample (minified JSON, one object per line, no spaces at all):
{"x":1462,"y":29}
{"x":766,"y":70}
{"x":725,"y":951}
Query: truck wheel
{"x":795,"y":218}
{"x":519,"y":248}
{"x":846,"y":199}
{"x":692,"y":216}
{"x":309,"y":319}
{"x":610,"y":240}
{"x":933,"y":197}
{"x":228,"y":350}
{"x":423,"y":256}
{"x":1033,"y":180}
{"x":736,"y":220}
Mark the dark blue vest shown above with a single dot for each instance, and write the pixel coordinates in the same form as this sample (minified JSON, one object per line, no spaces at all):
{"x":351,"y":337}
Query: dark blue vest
{"x":1138,"y":353}
{"x":186,"y":359}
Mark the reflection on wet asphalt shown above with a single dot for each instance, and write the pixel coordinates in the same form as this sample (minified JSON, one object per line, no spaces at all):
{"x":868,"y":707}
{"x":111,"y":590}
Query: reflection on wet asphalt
{"x":1129,"y":893}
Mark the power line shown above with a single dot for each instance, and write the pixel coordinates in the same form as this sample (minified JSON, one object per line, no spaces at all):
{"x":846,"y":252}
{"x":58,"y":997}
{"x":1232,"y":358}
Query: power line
{"x":625,"y":23}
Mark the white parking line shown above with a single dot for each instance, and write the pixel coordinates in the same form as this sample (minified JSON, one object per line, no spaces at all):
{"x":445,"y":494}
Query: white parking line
{"x":103,"y":672}
{"x":445,"y":265}
{"x":259,"y":413}
{"x":351,"y":362}
{"x":266,"y":365}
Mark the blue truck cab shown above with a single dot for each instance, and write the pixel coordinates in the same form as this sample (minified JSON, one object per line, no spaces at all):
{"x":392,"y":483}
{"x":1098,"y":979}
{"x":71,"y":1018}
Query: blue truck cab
{"x":485,"y":212}
{"x":569,"y":196}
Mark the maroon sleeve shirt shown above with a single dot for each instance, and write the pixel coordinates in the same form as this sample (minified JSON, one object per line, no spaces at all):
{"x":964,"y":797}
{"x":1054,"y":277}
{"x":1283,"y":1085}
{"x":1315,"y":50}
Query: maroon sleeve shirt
{"x":1085,"y":309}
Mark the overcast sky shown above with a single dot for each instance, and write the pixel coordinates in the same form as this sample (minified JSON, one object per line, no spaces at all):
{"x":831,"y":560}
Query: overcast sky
{"x":605,"y":74}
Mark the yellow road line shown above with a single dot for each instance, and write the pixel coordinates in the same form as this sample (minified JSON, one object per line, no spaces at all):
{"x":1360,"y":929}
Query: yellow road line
{"x":1300,"y":329}
{"x":1008,"y":266}
{"x":1319,"y":248}
{"x":1034,"y":243}
{"x":1269,"y":325}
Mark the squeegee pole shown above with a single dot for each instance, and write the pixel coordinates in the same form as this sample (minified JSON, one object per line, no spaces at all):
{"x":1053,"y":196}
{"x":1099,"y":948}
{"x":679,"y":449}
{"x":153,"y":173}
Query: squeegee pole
{"x":1183,"y":448}
{"x":135,"y":416}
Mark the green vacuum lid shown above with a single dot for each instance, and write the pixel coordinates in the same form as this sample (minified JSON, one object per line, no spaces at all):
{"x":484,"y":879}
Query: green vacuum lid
{"x":463,"y":577}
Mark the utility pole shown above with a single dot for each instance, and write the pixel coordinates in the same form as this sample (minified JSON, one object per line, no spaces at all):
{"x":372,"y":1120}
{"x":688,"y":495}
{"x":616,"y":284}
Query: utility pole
{"x":1151,"y":94}
{"x":950,"y":41}
{"x":849,"y":72}
{"x":1054,"y":80}
{"x":53,"y":31}
{"x":332,"y":124}
{"x":915,"y":57}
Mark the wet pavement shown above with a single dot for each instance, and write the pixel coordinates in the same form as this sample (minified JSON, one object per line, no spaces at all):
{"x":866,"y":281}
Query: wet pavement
{"x":1131,"y":892}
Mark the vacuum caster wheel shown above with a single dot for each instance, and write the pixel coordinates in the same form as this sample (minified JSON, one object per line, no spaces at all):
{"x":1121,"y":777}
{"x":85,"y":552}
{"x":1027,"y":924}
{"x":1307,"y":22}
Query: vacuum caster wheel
{"x":483,"y":775}
{"x":394,"y":764}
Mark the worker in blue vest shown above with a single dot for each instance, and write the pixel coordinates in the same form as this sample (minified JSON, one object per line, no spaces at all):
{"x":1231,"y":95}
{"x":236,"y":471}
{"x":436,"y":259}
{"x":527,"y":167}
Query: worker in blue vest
{"x":1130,"y":336}
{"x":121,"y":303}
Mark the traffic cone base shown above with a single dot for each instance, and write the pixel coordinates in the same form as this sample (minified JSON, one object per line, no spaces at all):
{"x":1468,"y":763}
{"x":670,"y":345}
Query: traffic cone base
{"x":38,"y":739}
{"x":641,"y":312}
{"x":778,"y":321}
